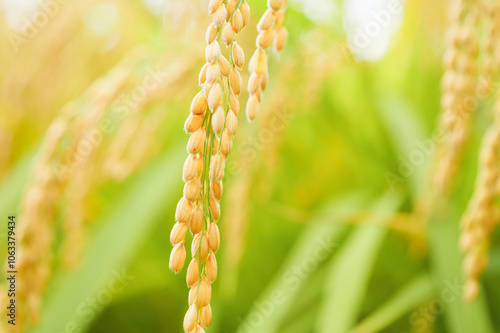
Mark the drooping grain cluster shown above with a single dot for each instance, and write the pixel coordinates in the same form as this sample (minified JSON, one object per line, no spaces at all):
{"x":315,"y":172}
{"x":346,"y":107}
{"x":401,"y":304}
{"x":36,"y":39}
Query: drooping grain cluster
{"x":463,"y":88}
{"x":212,"y":124}
{"x":270,"y":30}
{"x":51,"y":174}
{"x":483,"y":213}
{"x":459,"y":89}
{"x":491,"y":59}
{"x":36,"y":223}
{"x":123,"y":155}
{"x":81,"y":152}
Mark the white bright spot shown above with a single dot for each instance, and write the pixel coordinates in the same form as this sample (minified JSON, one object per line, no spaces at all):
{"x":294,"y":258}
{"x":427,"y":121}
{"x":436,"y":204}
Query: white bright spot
{"x":102,"y":18}
{"x":180,"y":17}
{"x":155,"y":6}
{"x":319,"y":11}
{"x":20,"y":14}
{"x":370,"y":26}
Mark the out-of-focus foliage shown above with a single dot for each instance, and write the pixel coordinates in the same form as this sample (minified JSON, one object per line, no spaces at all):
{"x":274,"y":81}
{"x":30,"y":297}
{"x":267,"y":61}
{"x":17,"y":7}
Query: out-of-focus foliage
{"x":321,"y":230}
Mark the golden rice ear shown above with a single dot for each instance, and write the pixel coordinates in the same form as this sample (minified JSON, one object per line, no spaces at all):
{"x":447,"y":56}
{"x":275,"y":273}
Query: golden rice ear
{"x":206,"y":316}
{"x":254,"y":83}
{"x":266,"y":21}
{"x":213,"y":52}
{"x":204,"y":293}
{"x":209,"y":144}
{"x":220,"y":16}
{"x":213,"y":237}
{"x":213,"y":5}
{"x":198,"y":329}
{"x":225,"y":67}
{"x":203,"y":74}
{"x":234,"y":103}
{"x":263,"y":81}
{"x":237,"y":21}
{"x":199,"y":104}
{"x":265,"y":38}
{"x":245,"y":12}
{"x":178,"y":232}
{"x":211,"y":267}
{"x":471,"y":291}
{"x":199,"y":247}
{"x":217,"y":165}
{"x":231,"y":7}
{"x":196,"y":141}
{"x":281,"y":39}
{"x":252,"y":107}
{"x":196,"y":223}
{"x":259,"y":63}
{"x":226,"y":145}
{"x":227,"y":34}
{"x":213,"y":73}
{"x":211,"y":34}
{"x":216,"y":144}
{"x":183,"y":211}
{"x":177,"y":257}
{"x":232,"y":123}
{"x":192,"y":272}
{"x":215,"y":97}
{"x":191,"y":319}
{"x":192,"y":189}
{"x":238,"y":56}
{"x":459,"y":85}
{"x":218,"y":121}
{"x":214,"y":208}
{"x":193,"y":123}
{"x":274,"y":4}
{"x":280,"y":19}
{"x":271,"y":31}
{"x":190,"y":168}
{"x":235,"y":81}
{"x":217,"y":189}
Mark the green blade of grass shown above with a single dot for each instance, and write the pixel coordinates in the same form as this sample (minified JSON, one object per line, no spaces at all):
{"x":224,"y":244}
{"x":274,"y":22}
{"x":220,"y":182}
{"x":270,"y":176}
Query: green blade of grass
{"x":349,"y":272}
{"x":446,"y":260}
{"x":415,"y":293}
{"x":68,"y":305}
{"x":11,"y":190}
{"x":408,"y":136}
{"x":12,"y":186}
{"x":320,"y":236}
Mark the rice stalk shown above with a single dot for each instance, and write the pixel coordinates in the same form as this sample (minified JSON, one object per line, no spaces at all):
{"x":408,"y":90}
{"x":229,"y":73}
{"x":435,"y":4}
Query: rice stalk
{"x":36,"y":223}
{"x":463,"y":85}
{"x":51,"y":173}
{"x":212,"y":124}
{"x":483,"y":211}
{"x":490,"y":63}
{"x":459,"y":90}
{"x":124,"y":156}
{"x":271,"y":31}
